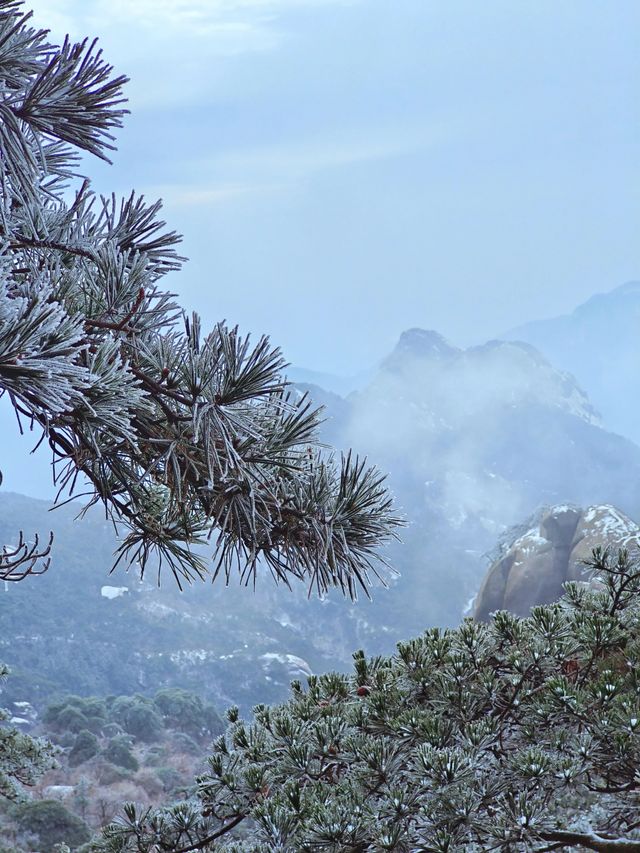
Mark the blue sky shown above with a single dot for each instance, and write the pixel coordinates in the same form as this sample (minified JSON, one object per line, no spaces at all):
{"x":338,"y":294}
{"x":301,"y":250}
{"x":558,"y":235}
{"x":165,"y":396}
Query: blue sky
{"x":345,"y":169}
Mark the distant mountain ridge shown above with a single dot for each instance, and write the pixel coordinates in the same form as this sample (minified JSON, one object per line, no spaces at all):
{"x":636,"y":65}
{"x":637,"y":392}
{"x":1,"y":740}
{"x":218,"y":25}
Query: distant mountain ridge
{"x":422,"y":344}
{"x":524,"y":374}
{"x":599,"y":343}
{"x":333,"y":382}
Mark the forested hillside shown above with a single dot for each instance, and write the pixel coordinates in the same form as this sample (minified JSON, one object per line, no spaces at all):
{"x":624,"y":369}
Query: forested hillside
{"x":78,"y":629}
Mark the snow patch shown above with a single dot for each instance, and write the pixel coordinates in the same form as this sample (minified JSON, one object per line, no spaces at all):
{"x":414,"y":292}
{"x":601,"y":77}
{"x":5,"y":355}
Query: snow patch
{"x":190,"y":656}
{"x":111,"y":592}
{"x":58,"y":791}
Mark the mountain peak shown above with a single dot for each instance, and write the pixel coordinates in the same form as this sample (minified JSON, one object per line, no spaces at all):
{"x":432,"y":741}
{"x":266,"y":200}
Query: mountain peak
{"x":420,"y":344}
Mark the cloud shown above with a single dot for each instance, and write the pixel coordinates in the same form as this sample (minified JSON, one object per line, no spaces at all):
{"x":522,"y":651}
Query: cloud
{"x":283,"y":164}
{"x":175,"y":50}
{"x":245,"y":24}
{"x":302,"y":159}
{"x":187,"y":195}
{"x":236,"y":174}
{"x":226,"y":27}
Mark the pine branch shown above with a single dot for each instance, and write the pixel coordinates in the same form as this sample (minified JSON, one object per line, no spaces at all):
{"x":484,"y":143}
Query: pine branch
{"x":592,"y":841}
{"x":22,"y":559}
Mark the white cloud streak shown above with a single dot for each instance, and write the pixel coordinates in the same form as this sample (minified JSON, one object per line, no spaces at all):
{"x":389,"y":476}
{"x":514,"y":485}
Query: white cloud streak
{"x":232,"y":175}
{"x":241,"y":20}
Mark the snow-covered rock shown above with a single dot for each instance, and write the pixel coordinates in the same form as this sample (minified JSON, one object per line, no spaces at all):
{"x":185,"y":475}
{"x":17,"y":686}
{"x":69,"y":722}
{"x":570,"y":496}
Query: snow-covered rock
{"x":532,"y":568}
{"x":295,"y":665}
{"x":23,"y":715}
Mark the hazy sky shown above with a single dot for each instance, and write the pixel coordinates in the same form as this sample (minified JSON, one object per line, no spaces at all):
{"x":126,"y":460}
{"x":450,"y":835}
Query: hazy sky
{"x":344,"y":170}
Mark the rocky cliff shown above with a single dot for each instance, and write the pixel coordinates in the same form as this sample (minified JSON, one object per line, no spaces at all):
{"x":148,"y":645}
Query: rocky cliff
{"x":551,"y":551}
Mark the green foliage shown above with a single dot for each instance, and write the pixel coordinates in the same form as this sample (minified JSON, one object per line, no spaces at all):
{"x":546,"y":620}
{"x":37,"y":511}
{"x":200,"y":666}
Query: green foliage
{"x":522,"y":734}
{"x":156,"y":756}
{"x":185,"y":743}
{"x":64,"y":637}
{"x":186,"y":712}
{"x":23,"y":759}
{"x":169,"y":778}
{"x":53,"y":824}
{"x":118,"y":751}
{"x":138,"y":716}
{"x":111,"y":774}
{"x":174,"y":714}
{"x":71,"y":720}
{"x":85,"y":746}
{"x":75,"y":713}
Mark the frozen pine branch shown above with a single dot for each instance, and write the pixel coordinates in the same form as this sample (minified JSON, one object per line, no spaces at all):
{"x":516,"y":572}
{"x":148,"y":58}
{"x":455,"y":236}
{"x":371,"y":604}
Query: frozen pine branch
{"x":18,"y":561}
{"x":188,"y":440}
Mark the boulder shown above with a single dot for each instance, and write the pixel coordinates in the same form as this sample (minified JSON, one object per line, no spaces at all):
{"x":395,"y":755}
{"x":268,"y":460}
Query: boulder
{"x":533,"y":565}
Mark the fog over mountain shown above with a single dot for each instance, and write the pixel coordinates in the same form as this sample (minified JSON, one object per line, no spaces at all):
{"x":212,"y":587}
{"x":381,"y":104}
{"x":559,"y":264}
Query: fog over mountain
{"x":474,"y":441}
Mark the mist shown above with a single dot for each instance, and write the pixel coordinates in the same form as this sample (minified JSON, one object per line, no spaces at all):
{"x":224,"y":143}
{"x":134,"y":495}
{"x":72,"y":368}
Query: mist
{"x":474,"y":441}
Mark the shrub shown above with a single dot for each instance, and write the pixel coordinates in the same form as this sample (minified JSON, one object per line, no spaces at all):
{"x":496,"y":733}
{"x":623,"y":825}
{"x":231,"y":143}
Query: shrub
{"x":156,"y":756}
{"x":186,"y":712}
{"x":111,"y":774}
{"x":70,"y":719}
{"x":118,"y":751}
{"x":73,"y":713}
{"x":85,"y":746}
{"x":149,"y":781}
{"x":169,"y":778}
{"x":53,"y":824}
{"x":138,"y":716}
{"x":184,"y":743}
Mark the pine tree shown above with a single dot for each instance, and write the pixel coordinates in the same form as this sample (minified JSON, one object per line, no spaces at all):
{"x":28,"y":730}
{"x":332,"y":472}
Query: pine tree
{"x":517,"y":735}
{"x":180,"y":435}
{"x":23,"y":759}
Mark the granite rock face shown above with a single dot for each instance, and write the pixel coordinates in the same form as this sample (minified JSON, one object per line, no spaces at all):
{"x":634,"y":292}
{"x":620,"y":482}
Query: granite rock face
{"x":552,"y":549}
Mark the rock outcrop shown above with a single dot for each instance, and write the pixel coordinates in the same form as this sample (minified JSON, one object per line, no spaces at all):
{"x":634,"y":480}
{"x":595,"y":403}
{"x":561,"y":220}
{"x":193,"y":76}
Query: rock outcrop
{"x":551,"y":551}
{"x":423,"y":344}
